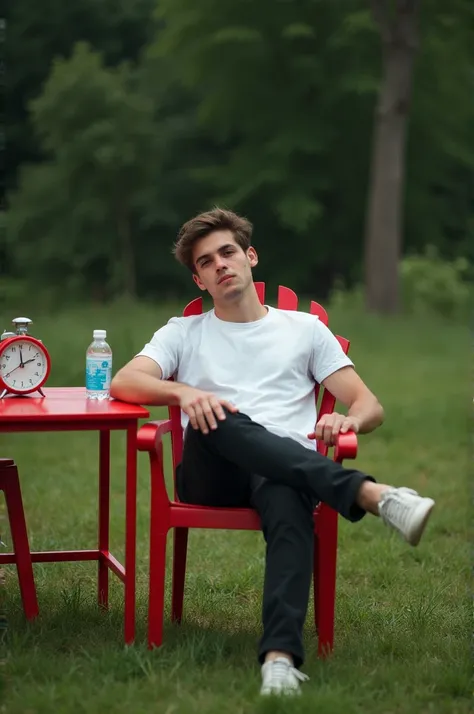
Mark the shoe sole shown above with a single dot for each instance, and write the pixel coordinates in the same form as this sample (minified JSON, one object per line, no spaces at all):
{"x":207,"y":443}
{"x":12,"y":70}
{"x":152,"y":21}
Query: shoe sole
{"x":280,"y":693}
{"x":421,"y":516}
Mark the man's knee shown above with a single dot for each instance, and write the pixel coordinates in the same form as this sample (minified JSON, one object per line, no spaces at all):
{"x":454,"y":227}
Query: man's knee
{"x":232,"y":421}
{"x":233,"y":417}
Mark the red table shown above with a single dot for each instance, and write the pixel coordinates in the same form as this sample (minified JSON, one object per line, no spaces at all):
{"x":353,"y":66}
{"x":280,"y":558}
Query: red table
{"x":67,"y":409}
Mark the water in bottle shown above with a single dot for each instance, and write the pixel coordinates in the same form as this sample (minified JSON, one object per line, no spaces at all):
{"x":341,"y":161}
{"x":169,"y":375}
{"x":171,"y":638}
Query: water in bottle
{"x":98,"y":367}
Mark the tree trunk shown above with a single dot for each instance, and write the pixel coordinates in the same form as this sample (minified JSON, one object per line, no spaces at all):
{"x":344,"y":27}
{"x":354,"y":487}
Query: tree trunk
{"x":128,"y":271}
{"x":383,"y":239}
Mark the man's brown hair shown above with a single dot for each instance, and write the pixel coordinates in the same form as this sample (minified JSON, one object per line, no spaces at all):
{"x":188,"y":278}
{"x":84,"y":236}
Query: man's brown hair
{"x":205,"y":223}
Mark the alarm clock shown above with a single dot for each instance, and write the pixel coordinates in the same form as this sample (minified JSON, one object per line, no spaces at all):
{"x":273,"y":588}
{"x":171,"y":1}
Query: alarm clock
{"x":24,"y":361}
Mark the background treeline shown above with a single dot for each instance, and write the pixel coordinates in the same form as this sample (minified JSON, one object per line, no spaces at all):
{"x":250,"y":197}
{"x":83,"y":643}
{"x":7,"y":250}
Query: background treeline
{"x":125,"y":117}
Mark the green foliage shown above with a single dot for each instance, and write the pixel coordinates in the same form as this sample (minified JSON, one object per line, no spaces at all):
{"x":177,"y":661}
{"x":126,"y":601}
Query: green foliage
{"x":295,"y":122}
{"x":98,"y":132}
{"x":432,"y":285}
{"x":440,"y":172}
{"x":274,"y":114}
{"x":117,"y":28}
{"x":12,"y":293}
{"x":264,"y":107}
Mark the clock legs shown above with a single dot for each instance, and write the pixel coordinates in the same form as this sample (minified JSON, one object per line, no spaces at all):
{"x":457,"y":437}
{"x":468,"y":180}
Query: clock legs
{"x":7,"y":391}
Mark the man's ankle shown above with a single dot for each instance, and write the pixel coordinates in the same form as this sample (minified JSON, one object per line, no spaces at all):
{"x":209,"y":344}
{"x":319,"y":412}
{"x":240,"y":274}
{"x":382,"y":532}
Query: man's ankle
{"x":369,"y":496}
{"x":275,"y":654}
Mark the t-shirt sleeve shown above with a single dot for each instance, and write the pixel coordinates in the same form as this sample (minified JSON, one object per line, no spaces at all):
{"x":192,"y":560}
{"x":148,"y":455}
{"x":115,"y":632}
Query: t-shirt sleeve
{"x":166,"y":347}
{"x":327,"y":354}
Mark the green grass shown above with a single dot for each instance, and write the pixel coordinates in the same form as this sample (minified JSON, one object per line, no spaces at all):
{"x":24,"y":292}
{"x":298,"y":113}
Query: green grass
{"x":403,"y":631}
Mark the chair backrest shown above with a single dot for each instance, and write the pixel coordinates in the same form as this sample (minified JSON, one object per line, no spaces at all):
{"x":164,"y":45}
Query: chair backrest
{"x":287,"y":300}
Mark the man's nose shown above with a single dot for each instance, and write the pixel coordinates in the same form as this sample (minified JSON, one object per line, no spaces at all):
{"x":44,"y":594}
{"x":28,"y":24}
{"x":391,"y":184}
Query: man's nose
{"x":220,"y":263}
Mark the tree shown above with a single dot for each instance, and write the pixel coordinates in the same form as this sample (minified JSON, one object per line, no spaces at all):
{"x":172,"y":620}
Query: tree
{"x":265,"y":107}
{"x":440,"y":149}
{"x":398,"y":25}
{"x":76,"y":210}
{"x":37,"y":32}
{"x":433,"y":206}
{"x":288,"y":106}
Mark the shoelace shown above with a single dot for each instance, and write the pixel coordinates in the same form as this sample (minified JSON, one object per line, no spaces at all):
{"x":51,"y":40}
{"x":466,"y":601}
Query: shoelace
{"x":299,"y":675}
{"x":395,"y":508}
{"x":279,"y":672}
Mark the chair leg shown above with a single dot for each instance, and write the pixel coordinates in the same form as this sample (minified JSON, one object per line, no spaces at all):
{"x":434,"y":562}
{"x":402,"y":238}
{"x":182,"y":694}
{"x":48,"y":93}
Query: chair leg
{"x":316,"y":579}
{"x":180,"y":547}
{"x":19,"y":534}
{"x":156,"y":594}
{"x":324,"y":580}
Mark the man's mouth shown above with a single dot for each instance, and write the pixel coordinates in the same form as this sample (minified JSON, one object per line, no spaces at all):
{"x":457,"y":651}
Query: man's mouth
{"x":226,"y":277}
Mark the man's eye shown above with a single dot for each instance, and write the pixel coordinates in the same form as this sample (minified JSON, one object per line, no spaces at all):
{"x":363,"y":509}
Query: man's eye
{"x":204,"y":263}
{"x":228,"y":252}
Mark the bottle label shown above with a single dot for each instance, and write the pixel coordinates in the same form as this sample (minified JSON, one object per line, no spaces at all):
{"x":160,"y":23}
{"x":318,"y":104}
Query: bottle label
{"x":98,"y":373}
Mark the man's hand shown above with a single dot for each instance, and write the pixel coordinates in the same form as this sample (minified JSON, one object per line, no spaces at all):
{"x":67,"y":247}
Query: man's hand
{"x":203,"y":408}
{"x":330,"y":425}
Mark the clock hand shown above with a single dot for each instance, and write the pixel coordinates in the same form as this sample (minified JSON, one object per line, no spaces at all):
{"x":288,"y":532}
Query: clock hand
{"x":21,"y":358}
{"x":12,"y":370}
{"x":22,"y":364}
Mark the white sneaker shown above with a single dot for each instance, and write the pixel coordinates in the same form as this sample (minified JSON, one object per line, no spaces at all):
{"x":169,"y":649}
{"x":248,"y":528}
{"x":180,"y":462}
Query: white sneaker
{"x":406,"y":511}
{"x":280,"y":677}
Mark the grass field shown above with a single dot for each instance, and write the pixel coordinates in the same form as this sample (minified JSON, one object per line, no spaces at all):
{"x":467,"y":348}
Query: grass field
{"x":403,"y":627}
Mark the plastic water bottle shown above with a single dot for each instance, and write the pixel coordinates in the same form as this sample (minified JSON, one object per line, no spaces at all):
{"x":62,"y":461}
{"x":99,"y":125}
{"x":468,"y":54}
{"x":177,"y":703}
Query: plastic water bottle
{"x":98,"y":367}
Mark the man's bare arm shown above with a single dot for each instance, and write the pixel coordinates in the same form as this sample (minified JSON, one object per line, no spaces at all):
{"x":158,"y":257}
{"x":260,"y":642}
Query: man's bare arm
{"x":364,"y":411}
{"x":361,"y":403}
{"x":140,"y":382}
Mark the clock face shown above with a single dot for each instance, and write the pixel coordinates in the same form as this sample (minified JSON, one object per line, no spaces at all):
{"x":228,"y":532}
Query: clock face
{"x":23,"y":365}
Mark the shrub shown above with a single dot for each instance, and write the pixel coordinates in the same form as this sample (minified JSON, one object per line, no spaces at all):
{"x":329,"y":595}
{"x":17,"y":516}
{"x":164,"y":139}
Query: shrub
{"x":429,"y":285}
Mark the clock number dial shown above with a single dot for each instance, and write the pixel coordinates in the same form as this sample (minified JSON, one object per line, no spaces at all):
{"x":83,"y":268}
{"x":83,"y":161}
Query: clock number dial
{"x":23,"y":366}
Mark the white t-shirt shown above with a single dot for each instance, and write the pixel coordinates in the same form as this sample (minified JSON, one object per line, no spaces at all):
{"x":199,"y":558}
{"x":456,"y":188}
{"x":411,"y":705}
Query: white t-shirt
{"x":267,"y":368}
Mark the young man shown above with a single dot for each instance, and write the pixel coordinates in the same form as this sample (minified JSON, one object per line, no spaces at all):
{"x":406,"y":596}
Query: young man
{"x":245,"y":377}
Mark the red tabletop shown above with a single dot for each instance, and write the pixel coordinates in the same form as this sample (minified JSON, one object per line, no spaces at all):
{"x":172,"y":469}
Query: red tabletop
{"x":66,"y":404}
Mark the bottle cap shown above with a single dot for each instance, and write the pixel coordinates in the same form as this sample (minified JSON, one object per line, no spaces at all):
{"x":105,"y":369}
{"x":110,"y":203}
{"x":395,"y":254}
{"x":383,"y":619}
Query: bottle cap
{"x":100,"y":334}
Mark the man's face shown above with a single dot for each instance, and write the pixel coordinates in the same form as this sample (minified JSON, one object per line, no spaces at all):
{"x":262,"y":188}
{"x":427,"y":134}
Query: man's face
{"x":222,"y":267}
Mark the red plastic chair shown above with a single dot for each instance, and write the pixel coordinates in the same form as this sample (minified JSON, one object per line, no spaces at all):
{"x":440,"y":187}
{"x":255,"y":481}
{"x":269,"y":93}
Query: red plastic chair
{"x":10,"y":485}
{"x":166,"y":514}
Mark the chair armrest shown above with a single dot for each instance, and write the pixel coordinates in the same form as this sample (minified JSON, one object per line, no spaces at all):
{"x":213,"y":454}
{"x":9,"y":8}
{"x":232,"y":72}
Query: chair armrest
{"x":150,"y":438}
{"x":149,"y":435}
{"x":346,"y":446}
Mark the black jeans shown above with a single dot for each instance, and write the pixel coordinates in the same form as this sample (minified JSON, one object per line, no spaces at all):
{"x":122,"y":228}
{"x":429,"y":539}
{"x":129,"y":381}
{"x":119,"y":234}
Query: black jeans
{"x":242,"y":464}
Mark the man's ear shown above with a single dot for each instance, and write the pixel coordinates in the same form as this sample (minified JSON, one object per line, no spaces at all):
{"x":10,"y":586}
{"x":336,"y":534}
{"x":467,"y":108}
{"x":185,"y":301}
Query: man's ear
{"x":198,"y":282}
{"x":252,"y":256}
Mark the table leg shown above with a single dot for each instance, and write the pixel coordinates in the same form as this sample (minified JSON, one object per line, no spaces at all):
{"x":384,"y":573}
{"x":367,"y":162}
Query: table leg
{"x":104,"y":516}
{"x":130,"y":534}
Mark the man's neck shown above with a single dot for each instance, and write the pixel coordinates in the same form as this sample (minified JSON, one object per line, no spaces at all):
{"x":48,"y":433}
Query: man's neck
{"x":247,"y":309}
